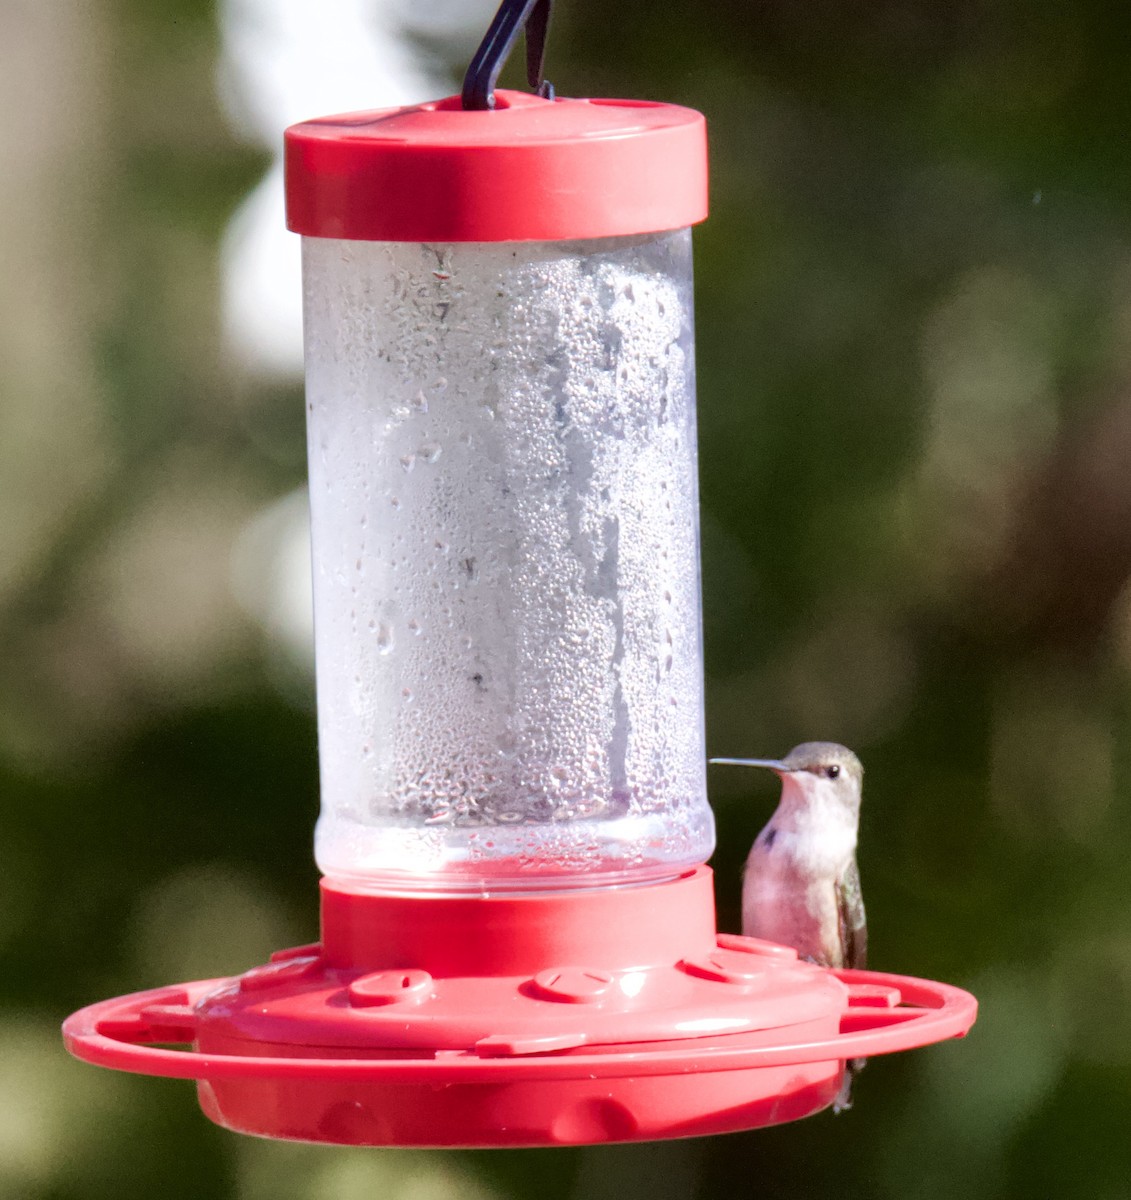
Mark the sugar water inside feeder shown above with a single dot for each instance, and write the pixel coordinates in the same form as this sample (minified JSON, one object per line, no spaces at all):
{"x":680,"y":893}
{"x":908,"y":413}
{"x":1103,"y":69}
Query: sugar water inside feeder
{"x":505,"y":525}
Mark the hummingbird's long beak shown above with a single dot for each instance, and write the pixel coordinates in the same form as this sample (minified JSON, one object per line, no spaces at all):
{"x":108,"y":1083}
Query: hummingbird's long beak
{"x":771,"y":764}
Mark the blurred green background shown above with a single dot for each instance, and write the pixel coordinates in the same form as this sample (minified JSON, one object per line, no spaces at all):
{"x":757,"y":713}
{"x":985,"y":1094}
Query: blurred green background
{"x":914,"y":331}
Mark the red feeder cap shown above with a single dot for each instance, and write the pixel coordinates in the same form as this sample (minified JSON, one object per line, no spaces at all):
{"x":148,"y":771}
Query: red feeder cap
{"x":530,"y":170}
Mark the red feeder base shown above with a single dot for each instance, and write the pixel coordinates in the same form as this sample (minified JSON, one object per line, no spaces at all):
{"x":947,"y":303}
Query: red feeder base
{"x":542,"y":1019}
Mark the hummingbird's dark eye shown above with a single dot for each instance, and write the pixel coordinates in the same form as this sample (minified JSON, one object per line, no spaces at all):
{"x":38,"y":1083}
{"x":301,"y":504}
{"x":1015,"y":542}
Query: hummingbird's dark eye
{"x":833,"y":771}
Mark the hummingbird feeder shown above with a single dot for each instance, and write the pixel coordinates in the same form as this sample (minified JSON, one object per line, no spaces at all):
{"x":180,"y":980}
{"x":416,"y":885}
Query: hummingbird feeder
{"x":518,"y":941}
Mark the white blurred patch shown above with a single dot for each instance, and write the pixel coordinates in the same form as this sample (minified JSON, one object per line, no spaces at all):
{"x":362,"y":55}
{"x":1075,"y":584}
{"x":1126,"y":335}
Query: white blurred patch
{"x":207,"y":920}
{"x":986,"y":356}
{"x":1053,"y":755}
{"x":285,"y":61}
{"x":161,"y":585}
{"x":967,"y":1101}
{"x":659,"y":1170}
{"x":851,"y":676}
{"x":55,"y":447}
{"x":57,"y":1116}
{"x":1090,"y":979}
{"x":271,"y":576}
{"x":268,"y":1170}
{"x":262,"y":282}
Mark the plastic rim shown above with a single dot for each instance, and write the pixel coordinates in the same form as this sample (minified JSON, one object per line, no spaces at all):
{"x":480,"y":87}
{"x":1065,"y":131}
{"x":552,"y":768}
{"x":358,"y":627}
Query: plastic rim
{"x":530,"y":170}
{"x":932,"y":1012}
{"x":518,"y":1020}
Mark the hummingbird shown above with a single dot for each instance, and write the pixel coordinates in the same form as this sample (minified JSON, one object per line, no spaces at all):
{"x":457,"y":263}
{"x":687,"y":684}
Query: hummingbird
{"x":801,"y":885}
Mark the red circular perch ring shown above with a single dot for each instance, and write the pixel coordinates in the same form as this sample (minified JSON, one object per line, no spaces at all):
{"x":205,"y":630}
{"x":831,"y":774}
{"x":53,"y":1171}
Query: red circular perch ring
{"x":369,"y":1049}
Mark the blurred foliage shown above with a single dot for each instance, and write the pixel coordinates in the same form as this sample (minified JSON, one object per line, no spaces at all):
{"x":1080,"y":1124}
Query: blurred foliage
{"x":914,"y":337}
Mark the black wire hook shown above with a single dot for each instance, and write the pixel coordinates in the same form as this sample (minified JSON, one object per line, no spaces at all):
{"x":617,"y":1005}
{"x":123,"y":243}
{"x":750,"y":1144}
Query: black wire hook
{"x":494,"y":50}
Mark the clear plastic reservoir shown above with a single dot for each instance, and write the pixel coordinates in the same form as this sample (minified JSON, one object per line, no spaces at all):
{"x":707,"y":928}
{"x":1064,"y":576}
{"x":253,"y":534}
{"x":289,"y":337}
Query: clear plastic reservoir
{"x":505,"y":522}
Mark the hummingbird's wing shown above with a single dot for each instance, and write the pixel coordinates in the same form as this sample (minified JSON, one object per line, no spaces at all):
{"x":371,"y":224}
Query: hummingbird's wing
{"x":850,"y":913}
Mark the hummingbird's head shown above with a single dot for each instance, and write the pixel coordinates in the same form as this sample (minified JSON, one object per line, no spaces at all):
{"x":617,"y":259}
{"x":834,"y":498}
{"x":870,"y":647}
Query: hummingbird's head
{"x":826,"y":769}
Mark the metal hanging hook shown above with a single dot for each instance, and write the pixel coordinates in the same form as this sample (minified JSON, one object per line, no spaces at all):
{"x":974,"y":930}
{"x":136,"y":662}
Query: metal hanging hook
{"x":494,"y":50}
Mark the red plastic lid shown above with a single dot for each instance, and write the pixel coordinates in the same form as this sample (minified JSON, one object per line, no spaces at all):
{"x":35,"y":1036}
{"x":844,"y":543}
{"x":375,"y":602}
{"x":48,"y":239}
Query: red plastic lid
{"x":531,"y":170}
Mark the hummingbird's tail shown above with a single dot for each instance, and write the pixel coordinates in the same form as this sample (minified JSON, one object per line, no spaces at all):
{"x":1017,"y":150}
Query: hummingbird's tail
{"x":852,"y":1068}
